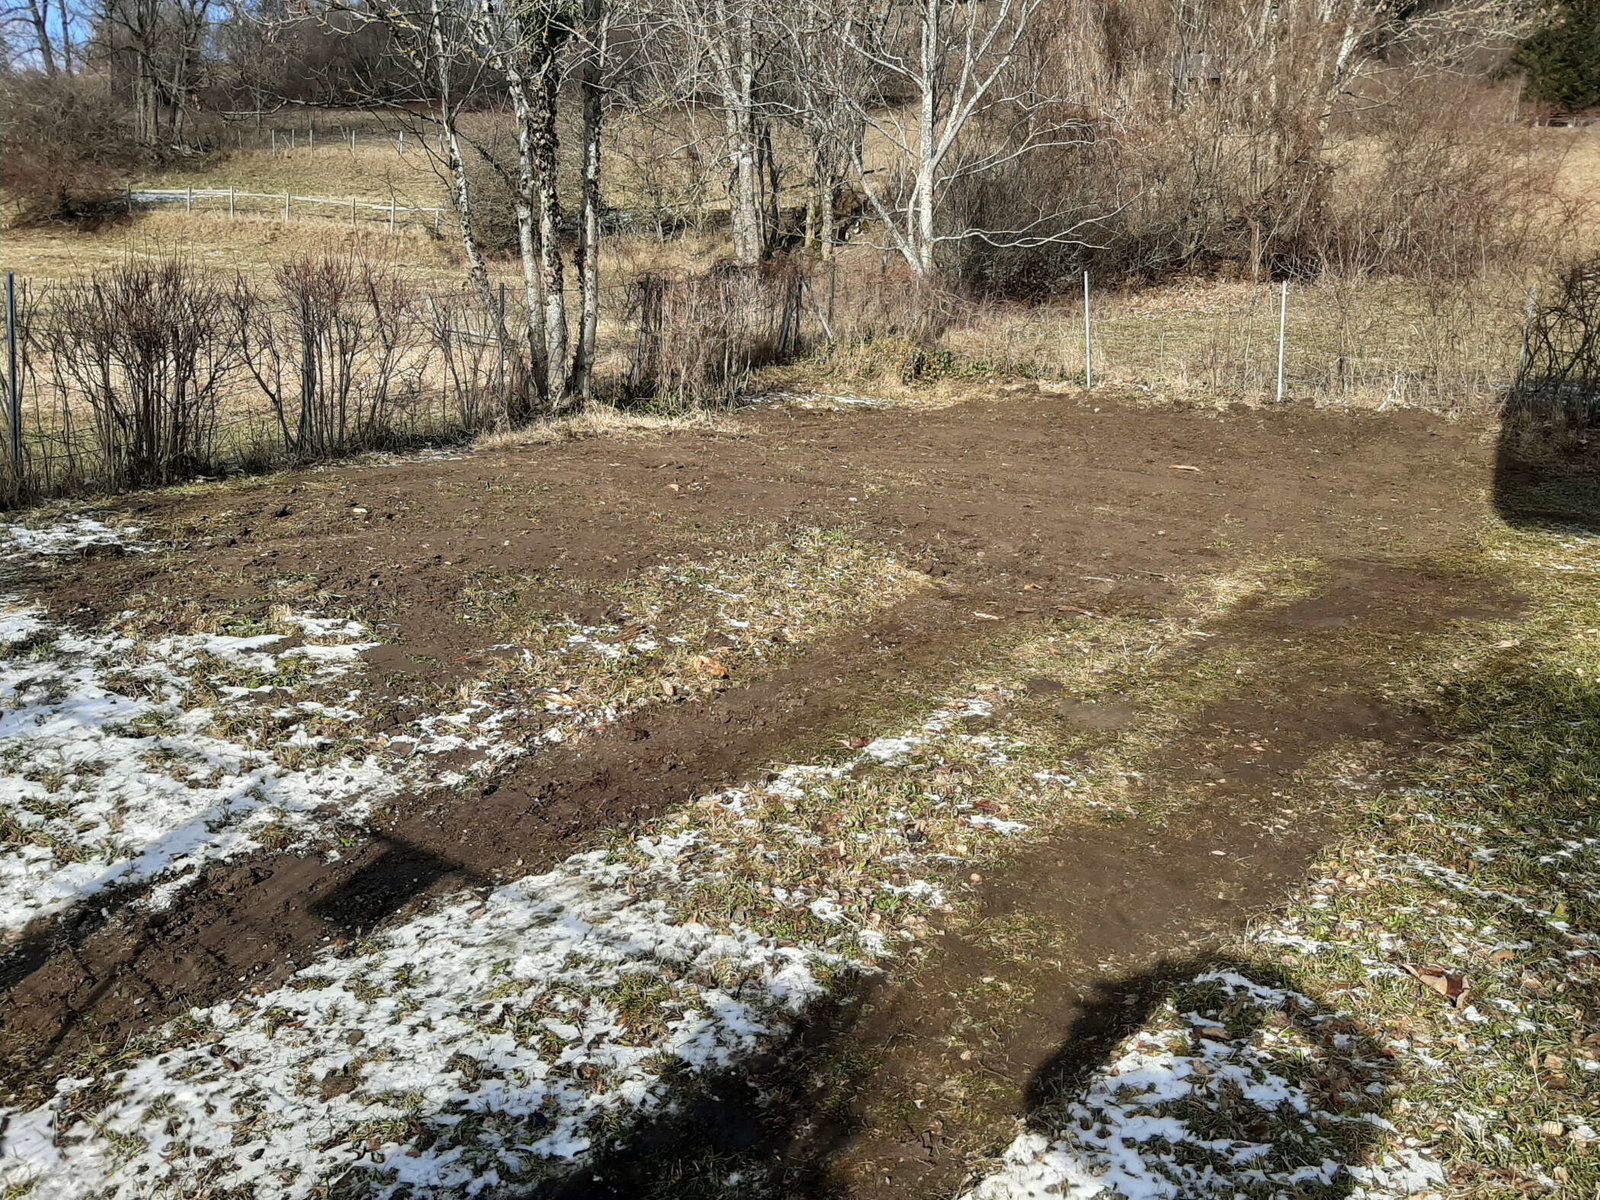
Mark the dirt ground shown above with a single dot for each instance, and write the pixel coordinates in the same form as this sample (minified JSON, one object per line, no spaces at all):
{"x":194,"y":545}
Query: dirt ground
{"x":1018,"y":510}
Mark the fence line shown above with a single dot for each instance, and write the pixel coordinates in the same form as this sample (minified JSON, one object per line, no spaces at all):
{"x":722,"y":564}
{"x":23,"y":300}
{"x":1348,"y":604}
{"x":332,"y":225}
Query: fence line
{"x":393,"y":210}
{"x":400,"y":363}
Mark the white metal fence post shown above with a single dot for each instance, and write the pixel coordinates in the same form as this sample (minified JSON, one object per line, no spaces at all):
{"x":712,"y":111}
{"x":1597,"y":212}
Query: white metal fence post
{"x":1527,"y":331}
{"x":1088,"y":337}
{"x":231,"y":210}
{"x":286,"y":206}
{"x":188,"y":201}
{"x":13,"y":384}
{"x":1283,"y":329}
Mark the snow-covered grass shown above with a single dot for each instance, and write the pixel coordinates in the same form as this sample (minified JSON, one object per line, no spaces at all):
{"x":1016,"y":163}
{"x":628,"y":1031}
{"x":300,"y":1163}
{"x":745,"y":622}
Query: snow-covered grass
{"x":1231,"y":1088}
{"x":490,"y":1039}
{"x":116,"y":763}
{"x":495,"y":1036}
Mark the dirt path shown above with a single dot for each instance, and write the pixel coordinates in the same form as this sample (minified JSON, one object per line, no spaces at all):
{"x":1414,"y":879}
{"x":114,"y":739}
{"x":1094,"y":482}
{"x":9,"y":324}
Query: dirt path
{"x":1086,"y":508}
{"x":1078,"y":938}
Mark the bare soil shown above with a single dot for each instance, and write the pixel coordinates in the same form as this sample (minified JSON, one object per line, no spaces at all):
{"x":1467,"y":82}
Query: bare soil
{"x":1026,"y":508}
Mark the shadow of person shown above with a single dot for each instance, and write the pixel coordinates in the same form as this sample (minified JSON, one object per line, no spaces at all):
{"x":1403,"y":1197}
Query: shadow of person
{"x":1547,"y":468}
{"x":1232,"y":1075}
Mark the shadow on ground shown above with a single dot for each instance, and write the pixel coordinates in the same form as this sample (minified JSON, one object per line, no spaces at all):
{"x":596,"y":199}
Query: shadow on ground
{"x":771,"y":1128}
{"x":1547,"y":471}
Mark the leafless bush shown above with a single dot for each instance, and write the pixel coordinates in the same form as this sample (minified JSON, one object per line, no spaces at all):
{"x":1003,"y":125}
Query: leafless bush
{"x":700,"y":336}
{"x":146,"y":345}
{"x":333,"y":349}
{"x":66,"y":146}
{"x":487,"y":386}
{"x":1559,"y":376}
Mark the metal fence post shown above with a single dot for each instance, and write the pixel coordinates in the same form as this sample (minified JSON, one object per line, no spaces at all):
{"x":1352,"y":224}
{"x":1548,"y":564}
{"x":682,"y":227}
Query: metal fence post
{"x":352,"y":141}
{"x":1527,"y":332}
{"x":286,"y":206}
{"x":1088,"y":337}
{"x":188,"y":201}
{"x":232,"y":212}
{"x":13,"y":384}
{"x":1283,"y":329}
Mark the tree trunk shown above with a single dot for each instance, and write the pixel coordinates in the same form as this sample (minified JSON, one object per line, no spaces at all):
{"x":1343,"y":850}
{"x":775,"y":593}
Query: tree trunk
{"x":588,"y":257}
{"x":38,"y":15}
{"x":546,"y":143}
{"x":529,"y":239}
{"x":66,"y":38}
{"x":927,"y":167}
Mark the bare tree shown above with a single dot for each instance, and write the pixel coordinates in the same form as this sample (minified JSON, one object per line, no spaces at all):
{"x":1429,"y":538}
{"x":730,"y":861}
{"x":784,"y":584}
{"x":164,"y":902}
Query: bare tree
{"x":972,"y":110}
{"x":463,"y":51}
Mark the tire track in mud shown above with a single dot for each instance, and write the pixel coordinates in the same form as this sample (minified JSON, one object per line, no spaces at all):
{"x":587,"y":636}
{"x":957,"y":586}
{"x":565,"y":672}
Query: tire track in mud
{"x":983,"y":497}
{"x":1126,"y":903}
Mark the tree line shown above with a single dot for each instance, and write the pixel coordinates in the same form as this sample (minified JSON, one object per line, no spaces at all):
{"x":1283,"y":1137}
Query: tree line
{"x":995,"y":145}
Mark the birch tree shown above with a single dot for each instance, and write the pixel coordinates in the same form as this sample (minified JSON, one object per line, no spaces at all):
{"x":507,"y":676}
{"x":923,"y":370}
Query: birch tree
{"x":961,"y":65}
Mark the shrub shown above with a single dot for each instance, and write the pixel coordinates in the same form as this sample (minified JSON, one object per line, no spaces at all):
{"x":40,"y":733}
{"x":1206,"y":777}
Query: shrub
{"x":146,"y":345}
{"x":66,"y":147}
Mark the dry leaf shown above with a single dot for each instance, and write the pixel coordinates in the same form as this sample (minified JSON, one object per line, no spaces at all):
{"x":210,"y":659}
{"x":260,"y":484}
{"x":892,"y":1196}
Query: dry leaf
{"x":1182,"y":467}
{"x":706,"y":665}
{"x":672,"y":487}
{"x":564,"y":701}
{"x":1452,"y":987}
{"x":1502,"y":956}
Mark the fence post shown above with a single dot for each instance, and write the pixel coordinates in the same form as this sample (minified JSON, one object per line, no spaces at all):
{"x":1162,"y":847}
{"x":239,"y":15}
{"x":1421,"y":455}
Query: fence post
{"x":291,"y":137}
{"x":436,"y":222}
{"x":352,"y":141}
{"x":274,"y":133}
{"x":352,"y":214}
{"x":400,"y":144}
{"x":1088,"y":338}
{"x":286,"y":206}
{"x":311,"y":136}
{"x":1527,"y":331}
{"x":391,"y":211}
{"x":1283,"y":330}
{"x":188,"y":201}
{"x":232,"y":213}
{"x":13,"y":384}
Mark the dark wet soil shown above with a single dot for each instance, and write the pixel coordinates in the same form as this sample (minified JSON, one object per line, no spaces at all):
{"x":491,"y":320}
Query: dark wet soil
{"x":1079,"y":507}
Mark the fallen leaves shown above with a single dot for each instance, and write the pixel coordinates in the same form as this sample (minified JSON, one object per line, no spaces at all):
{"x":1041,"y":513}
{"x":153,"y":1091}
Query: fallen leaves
{"x":1452,"y":987}
{"x":704,"y":664}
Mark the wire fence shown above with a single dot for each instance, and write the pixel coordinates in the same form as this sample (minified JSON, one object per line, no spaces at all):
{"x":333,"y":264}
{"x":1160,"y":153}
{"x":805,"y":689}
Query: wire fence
{"x":153,"y":371}
{"x":157,"y":373}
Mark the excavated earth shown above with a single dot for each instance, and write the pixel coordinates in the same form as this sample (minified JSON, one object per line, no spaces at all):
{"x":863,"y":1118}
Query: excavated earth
{"x":1025,"y":506}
